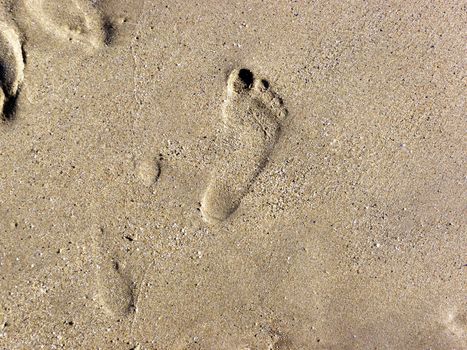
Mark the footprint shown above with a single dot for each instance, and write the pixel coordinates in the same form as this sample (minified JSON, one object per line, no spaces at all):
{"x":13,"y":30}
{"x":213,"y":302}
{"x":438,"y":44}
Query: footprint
{"x":11,"y":70}
{"x":116,"y":290}
{"x":78,"y":21}
{"x":252,"y":116}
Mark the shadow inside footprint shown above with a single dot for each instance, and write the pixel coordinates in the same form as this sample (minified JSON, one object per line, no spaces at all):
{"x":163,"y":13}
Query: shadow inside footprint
{"x":246,"y":77}
{"x":11,"y":70}
{"x":9,"y":107}
{"x":110,"y":31}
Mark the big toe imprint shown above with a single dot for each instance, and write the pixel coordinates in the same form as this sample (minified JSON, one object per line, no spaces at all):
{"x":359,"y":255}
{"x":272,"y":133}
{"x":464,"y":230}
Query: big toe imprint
{"x":11,"y":69}
{"x":252,"y":116}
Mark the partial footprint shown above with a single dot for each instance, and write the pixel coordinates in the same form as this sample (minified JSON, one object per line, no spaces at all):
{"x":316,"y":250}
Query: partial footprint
{"x":456,"y":322}
{"x":252,"y":116}
{"x":11,"y":70}
{"x":121,"y":19}
{"x":77,"y":20}
{"x":116,"y":290}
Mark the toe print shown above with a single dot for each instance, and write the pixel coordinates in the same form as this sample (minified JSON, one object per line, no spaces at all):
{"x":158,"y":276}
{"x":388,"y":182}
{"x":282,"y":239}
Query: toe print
{"x":252,"y":117}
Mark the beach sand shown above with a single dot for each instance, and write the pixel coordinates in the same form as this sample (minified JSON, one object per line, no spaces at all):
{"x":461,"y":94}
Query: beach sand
{"x":232,"y":175}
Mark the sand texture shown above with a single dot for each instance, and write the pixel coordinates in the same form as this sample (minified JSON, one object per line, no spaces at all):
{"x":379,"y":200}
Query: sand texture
{"x":238,"y":175}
